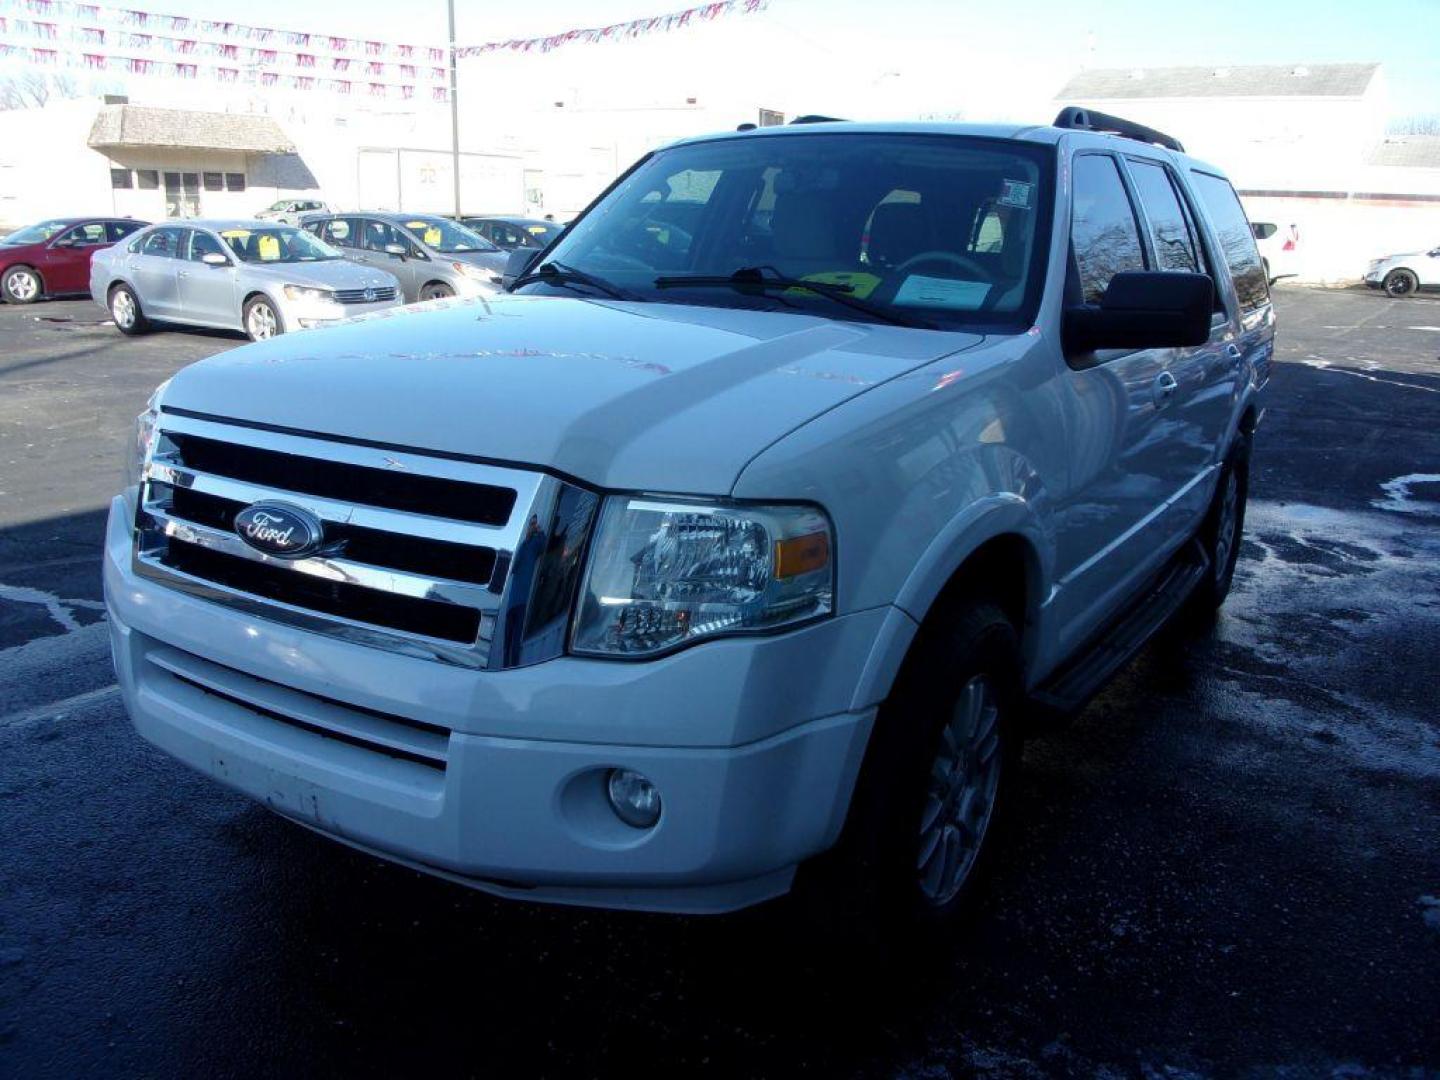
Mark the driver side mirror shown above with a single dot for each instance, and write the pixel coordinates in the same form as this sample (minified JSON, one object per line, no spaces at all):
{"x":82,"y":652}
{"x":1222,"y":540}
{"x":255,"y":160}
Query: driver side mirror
{"x":1143,"y":310}
{"x":517,"y":263}
{"x":397,"y":249}
{"x":214,"y":258}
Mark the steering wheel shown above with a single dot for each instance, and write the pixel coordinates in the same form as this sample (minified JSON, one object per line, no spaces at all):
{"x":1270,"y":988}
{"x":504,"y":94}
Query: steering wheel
{"x":970,"y":266}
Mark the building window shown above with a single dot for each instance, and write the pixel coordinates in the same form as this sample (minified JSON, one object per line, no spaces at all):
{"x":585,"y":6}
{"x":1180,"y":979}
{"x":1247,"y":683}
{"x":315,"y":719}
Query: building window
{"x":214,"y":181}
{"x":234,"y":181}
{"x":147,"y":179}
{"x":121,"y":178}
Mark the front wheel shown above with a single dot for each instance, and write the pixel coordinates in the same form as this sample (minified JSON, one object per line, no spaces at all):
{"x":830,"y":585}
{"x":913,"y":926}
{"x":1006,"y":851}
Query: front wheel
{"x":1222,"y":531}
{"x":1399,"y":283}
{"x":262,"y":321}
{"x":931,"y":796}
{"x":21,"y":285}
{"x":125,"y":310}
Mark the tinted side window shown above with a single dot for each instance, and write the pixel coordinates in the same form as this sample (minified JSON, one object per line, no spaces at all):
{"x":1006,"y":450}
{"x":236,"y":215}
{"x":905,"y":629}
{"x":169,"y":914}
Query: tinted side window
{"x":87,"y":235}
{"x":1103,"y":233}
{"x":118,"y":230}
{"x":1237,"y":242}
{"x":1170,"y":231}
{"x":339,"y":231}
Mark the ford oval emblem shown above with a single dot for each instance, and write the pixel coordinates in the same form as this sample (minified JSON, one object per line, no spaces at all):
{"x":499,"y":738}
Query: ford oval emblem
{"x":283,"y":531}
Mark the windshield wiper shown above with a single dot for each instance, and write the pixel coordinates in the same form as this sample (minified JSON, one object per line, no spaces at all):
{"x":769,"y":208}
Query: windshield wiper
{"x":554,"y":273}
{"x":755,"y":277}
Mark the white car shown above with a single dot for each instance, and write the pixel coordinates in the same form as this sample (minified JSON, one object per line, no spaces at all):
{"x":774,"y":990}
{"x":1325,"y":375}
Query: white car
{"x":262,"y":277}
{"x":291,"y":210}
{"x":1405,"y":275}
{"x":1279,"y":248}
{"x":706,"y":552}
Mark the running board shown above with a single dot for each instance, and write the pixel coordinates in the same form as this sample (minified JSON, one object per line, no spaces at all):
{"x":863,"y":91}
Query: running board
{"x":1079,"y":679}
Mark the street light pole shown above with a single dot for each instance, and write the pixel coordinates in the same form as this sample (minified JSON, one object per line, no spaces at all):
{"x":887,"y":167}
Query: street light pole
{"x":454,"y":113}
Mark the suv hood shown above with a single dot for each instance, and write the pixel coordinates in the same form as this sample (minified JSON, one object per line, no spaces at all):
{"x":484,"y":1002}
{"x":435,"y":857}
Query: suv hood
{"x":656,"y":397}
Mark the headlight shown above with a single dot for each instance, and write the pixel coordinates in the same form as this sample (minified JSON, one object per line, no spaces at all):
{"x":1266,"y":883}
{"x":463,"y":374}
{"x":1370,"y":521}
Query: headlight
{"x":305,"y":292}
{"x":665,"y":573}
{"x":479,"y":273}
{"x":147,"y":424}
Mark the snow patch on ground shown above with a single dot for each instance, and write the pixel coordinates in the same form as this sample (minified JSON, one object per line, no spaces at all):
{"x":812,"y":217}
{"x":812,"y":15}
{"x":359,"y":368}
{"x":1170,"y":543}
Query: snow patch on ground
{"x":1401,"y":500}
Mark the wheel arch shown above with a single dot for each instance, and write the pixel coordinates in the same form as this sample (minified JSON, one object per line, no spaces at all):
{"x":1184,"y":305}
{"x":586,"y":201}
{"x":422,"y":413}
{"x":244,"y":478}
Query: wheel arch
{"x":996,"y":551}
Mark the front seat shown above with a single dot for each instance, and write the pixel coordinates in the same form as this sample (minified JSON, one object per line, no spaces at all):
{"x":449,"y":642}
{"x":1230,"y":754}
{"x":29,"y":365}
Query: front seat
{"x":898,"y":231}
{"x":803,"y":228}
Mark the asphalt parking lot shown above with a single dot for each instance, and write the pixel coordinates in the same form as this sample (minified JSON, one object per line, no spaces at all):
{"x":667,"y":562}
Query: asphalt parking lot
{"x":1228,"y":865}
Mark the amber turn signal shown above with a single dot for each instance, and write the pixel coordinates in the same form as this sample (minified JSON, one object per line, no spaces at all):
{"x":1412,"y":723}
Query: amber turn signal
{"x":801,"y":554}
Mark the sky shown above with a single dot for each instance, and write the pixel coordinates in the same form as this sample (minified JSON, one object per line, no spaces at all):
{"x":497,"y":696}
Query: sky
{"x":878,"y":58}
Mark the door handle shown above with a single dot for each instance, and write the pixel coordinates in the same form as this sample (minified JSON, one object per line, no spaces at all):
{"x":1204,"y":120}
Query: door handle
{"x":1164,"y":388}
{"x":1233,"y":351}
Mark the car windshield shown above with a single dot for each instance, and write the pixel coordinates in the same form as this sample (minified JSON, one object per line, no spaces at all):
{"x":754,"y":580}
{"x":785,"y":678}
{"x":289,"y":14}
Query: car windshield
{"x":939,"y":230}
{"x":36,"y":234}
{"x":446,"y":236}
{"x":280,"y":244}
{"x":283,"y":204}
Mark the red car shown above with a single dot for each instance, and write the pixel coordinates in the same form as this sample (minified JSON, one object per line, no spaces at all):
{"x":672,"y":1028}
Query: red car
{"x":53,"y":257}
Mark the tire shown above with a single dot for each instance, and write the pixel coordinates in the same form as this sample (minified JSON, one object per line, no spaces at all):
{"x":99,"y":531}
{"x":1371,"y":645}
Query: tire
{"x":934,"y":787}
{"x":261,"y":320}
{"x":126,"y":312}
{"x":1400,"y":283}
{"x":22,"y":285}
{"x":1222,"y":532}
{"x":436,"y":290}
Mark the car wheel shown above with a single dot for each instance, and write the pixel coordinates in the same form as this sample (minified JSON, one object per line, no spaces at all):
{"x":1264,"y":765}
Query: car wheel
{"x":1222,"y":532}
{"x":22,"y":285}
{"x":436,"y":290}
{"x":125,"y":310}
{"x":1401,"y":283}
{"x":262,"y":321}
{"x":928,"y":808}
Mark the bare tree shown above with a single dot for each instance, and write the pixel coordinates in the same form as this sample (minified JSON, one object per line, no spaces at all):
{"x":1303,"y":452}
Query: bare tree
{"x":1418,"y":124}
{"x":34,"y":89}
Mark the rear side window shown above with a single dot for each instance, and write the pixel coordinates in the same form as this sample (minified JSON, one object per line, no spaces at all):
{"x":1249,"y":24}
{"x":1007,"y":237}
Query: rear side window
{"x":1103,"y":233}
{"x":1237,"y":242}
{"x":338,"y":232}
{"x":1169,"y":229}
{"x":162,"y":242}
{"x":118,"y":230}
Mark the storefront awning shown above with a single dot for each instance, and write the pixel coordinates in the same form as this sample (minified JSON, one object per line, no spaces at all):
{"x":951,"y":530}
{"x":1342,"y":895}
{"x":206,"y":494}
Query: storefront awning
{"x":136,"y":126}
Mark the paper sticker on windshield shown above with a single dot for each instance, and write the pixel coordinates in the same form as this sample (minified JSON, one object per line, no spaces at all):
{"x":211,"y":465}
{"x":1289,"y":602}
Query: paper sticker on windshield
{"x":1015,"y":193}
{"x":920,"y":291}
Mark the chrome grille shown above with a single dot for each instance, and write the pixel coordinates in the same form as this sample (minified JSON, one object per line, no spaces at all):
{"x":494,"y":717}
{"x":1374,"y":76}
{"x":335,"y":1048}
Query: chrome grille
{"x":418,"y":553}
{"x":365,"y":296}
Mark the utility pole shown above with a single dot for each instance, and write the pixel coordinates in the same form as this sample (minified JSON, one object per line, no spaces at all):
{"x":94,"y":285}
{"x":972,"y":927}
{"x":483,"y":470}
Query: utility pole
{"x":454,"y":113}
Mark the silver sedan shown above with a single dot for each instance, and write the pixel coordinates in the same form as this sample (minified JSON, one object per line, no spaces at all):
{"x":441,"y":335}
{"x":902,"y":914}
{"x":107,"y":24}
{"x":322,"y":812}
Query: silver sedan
{"x":261,"y":277}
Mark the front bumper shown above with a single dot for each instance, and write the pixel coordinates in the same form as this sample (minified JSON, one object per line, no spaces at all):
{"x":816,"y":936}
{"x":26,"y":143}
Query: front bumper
{"x":516,"y":804}
{"x":308,"y":314}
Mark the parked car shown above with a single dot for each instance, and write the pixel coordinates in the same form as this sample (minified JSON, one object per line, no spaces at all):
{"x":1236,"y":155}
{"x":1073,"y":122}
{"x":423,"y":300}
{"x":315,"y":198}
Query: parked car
{"x":510,"y":233}
{"x":52,"y":258}
{"x":261,"y":277}
{"x":291,"y":211}
{"x":1279,"y":248}
{"x":430,"y":254}
{"x":703,"y":554}
{"x":1405,"y":275}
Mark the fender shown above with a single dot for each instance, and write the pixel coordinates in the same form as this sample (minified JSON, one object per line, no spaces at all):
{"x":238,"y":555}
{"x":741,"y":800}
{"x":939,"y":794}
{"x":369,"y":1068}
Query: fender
{"x":999,"y":514}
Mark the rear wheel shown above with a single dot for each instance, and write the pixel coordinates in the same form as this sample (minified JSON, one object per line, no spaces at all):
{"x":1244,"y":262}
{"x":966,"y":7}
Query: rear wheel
{"x":436,"y":290}
{"x":262,"y":320}
{"x":125,"y":310}
{"x":21,"y":285}
{"x":1401,"y":283}
{"x":930,"y":801}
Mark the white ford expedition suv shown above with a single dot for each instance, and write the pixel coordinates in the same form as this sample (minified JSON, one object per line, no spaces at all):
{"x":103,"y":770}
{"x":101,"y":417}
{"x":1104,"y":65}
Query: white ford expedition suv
{"x":753,"y":523}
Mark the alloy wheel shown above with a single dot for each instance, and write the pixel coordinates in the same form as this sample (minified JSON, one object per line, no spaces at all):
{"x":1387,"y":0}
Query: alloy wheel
{"x":262,"y":322}
{"x":122,"y":309}
{"x":960,"y":800}
{"x":22,"y":285}
{"x":1225,"y":525}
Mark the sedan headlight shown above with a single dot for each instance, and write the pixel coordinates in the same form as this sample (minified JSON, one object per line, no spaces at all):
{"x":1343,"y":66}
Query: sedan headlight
{"x":147,"y":426}
{"x":479,"y":273}
{"x":305,"y":292}
{"x":666,"y":573}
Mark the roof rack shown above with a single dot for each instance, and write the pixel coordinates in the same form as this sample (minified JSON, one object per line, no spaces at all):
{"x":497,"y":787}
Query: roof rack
{"x":1079,"y":119}
{"x":815,"y":118}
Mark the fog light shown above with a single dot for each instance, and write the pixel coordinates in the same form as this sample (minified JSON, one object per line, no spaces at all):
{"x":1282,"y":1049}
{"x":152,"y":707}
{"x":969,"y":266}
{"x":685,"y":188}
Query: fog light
{"x":635,"y":800}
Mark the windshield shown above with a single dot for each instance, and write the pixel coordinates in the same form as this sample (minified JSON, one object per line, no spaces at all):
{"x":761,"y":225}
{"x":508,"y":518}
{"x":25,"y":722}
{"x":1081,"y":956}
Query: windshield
{"x":933,"y":229}
{"x":36,"y":234}
{"x":280,"y":244}
{"x":283,"y":204}
{"x":446,"y":236}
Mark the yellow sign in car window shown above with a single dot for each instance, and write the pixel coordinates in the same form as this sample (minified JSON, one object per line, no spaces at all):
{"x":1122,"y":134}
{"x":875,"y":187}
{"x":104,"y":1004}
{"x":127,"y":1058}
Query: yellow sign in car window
{"x":428,"y":232}
{"x":268,"y":248}
{"x":861,"y":284}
